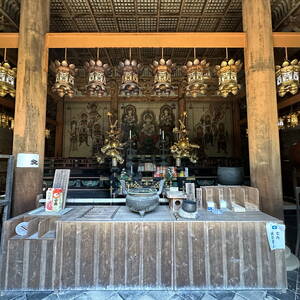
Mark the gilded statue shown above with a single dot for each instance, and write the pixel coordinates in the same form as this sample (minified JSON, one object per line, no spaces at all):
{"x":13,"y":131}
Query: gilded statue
{"x":183,"y":148}
{"x":112,"y":145}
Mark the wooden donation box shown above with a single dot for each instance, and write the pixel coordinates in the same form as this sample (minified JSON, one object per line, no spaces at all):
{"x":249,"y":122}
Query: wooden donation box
{"x":109,"y":247}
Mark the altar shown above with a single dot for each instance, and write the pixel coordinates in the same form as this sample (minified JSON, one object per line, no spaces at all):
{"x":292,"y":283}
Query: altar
{"x":109,"y":247}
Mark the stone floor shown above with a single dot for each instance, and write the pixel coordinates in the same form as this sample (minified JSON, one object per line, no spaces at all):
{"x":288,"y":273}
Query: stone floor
{"x":293,"y":293}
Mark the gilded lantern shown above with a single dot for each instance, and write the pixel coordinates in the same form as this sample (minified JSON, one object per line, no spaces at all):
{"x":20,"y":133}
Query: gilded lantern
{"x":130,"y":71}
{"x":64,"y":82}
{"x":227,"y":74}
{"x":198,"y":74}
{"x":162,"y":71}
{"x":97,"y":72}
{"x":7,"y":79}
{"x":281,"y":123}
{"x":6,"y":121}
{"x":287,"y":77}
{"x":292,"y":120}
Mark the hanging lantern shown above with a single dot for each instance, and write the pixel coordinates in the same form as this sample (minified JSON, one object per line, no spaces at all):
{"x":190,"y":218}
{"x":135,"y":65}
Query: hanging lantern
{"x":227,"y":73}
{"x":97,"y":72}
{"x":292,"y":120}
{"x":130,"y":71}
{"x":7,"y":78}
{"x":287,"y":76}
{"x":162,"y":71}
{"x":65,"y":74}
{"x":280,"y":123}
{"x":198,"y":74}
{"x":6,"y":121}
{"x":47,"y":133}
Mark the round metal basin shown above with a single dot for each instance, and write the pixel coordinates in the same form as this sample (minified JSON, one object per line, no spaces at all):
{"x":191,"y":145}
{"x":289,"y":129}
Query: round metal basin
{"x":142,"y":200}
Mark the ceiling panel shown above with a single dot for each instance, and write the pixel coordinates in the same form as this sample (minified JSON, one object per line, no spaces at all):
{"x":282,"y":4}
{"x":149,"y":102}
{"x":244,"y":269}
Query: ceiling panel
{"x":85,"y":24}
{"x":216,"y":6}
{"x":168,"y":24}
{"x":124,"y":6}
{"x":147,"y":6}
{"x":77,"y":6}
{"x":147,"y":24}
{"x":170,"y":7}
{"x":193,"y":6}
{"x":187,"y":24}
{"x":101,"y":7}
{"x":207,"y":24}
{"x":107,"y":24}
{"x":127,"y":24}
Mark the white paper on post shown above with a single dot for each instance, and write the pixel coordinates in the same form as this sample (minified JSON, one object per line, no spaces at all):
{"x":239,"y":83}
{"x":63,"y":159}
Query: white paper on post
{"x":276,"y":235}
{"x":27,"y":160}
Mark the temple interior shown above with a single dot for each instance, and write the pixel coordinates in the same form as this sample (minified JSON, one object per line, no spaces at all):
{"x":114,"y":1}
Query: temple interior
{"x":104,"y":103}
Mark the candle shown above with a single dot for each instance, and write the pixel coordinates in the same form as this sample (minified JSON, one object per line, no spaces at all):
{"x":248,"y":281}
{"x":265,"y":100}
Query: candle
{"x":159,"y":131}
{"x":163,"y":135}
{"x":130,"y":134}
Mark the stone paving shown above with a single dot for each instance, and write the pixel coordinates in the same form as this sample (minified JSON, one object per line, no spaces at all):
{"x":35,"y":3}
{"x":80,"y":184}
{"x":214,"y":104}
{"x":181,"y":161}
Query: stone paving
{"x":293,"y":293}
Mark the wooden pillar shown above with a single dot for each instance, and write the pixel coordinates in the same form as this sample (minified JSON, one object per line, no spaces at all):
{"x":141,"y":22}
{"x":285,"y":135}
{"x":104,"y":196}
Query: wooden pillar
{"x":59,"y":129}
{"x":31,"y":98}
{"x":237,"y":142}
{"x":264,"y":152}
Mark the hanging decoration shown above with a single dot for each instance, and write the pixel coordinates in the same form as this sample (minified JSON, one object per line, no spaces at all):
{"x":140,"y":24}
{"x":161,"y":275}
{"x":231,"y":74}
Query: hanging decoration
{"x":290,"y":120}
{"x":47,"y":133}
{"x":280,"y":123}
{"x":287,"y":76}
{"x":65,"y":74}
{"x":130,"y":71}
{"x":7,"y":78}
{"x":112,"y":145}
{"x":97,"y":72}
{"x":6,"y":121}
{"x":162,"y":71}
{"x":198,"y":74}
{"x":183,"y":148}
{"x":227,"y":74}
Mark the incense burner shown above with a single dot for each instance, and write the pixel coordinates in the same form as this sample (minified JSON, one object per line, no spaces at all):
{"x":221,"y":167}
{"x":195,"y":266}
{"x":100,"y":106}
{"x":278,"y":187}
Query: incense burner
{"x":142,"y":199}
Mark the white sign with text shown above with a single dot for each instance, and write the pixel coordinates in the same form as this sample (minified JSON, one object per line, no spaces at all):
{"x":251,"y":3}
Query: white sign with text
{"x":27,"y":160}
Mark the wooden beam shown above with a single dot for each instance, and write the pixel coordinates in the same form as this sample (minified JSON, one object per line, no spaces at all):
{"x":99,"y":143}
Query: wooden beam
{"x":147,"y":40}
{"x":150,"y":40}
{"x":286,"y":39}
{"x":145,"y":98}
{"x":7,"y":103}
{"x":9,"y":40}
{"x":290,"y":101}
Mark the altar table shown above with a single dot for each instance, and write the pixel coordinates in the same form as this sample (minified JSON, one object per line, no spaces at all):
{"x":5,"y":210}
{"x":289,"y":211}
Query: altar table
{"x":109,"y":247}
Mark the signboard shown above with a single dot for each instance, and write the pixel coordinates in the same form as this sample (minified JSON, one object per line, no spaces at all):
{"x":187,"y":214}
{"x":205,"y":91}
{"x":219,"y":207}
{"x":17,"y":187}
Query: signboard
{"x":276,"y":235}
{"x":27,"y":160}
